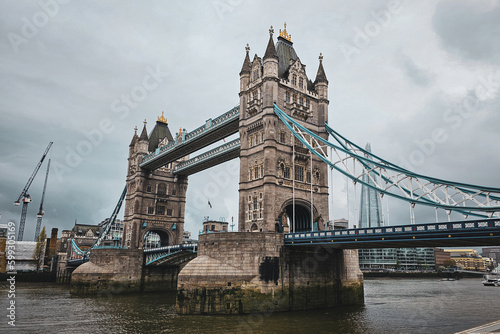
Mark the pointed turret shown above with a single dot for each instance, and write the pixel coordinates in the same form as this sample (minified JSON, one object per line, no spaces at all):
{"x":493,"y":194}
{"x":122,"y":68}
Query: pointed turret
{"x":134,"y":138}
{"x":321,"y":87}
{"x":144,"y":134}
{"x":270,"y":58}
{"x":247,"y":66}
{"x":143,"y":141}
{"x":321,"y":76}
{"x":270,"y":50}
{"x":245,"y":71}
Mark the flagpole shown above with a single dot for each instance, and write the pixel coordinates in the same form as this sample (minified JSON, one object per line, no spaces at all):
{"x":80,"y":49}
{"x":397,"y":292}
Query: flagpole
{"x":208,"y":206}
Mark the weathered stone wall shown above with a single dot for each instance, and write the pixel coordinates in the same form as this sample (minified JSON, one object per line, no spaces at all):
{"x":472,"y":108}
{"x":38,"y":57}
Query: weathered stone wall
{"x":160,"y":278}
{"x":312,"y":276}
{"x":225,"y":277}
{"x":352,"y":279}
{"x":109,"y":270}
{"x":118,"y":271}
{"x":246,"y":272}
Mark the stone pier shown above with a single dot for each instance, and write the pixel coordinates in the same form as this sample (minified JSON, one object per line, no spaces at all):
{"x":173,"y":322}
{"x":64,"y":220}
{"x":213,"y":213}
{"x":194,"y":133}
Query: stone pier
{"x":119,"y":271}
{"x":110,"y":271}
{"x":245,"y":272}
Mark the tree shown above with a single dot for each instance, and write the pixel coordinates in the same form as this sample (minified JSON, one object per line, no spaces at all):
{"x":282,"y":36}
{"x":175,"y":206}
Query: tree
{"x":449,"y":263}
{"x":39,"y":253}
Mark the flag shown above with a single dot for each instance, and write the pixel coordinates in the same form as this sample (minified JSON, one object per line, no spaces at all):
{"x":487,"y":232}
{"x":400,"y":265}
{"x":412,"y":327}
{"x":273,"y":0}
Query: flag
{"x":209,"y":204}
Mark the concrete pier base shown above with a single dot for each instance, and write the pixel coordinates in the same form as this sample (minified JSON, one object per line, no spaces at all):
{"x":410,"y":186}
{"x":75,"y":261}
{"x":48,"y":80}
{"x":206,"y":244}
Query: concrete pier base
{"x":245,"y":272}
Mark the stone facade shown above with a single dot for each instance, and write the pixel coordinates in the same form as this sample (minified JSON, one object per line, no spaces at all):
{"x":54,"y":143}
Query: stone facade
{"x":268,"y":149}
{"x":155,"y":200}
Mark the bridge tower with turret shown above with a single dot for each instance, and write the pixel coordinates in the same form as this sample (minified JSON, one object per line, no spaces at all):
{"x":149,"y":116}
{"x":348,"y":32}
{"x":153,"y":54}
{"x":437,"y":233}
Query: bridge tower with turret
{"x":156,"y":199}
{"x":280,"y":181}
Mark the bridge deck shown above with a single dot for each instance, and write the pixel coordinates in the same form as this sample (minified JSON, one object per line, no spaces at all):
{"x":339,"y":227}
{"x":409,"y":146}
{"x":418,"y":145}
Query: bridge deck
{"x":466,"y":233}
{"x":170,"y":255}
{"x":213,"y":131}
{"x":209,"y":159}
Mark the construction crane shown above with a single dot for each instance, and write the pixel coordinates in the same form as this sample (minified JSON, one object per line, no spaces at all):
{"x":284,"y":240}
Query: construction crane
{"x":25,"y":197}
{"x":40,"y":214}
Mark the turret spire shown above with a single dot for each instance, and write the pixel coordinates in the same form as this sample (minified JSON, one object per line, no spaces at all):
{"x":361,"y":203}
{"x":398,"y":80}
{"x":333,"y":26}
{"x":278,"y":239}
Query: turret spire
{"x":271,"y":50}
{"x":321,"y":76}
{"x":134,"y":138}
{"x":144,"y":134}
{"x":247,"y":66}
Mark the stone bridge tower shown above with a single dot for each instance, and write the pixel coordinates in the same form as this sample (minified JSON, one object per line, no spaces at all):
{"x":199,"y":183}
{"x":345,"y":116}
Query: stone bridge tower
{"x":155,"y":201}
{"x":267,"y":166}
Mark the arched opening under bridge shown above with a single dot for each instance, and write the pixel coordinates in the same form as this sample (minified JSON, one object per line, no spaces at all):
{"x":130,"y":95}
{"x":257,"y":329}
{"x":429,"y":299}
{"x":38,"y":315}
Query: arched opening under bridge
{"x":302,"y":217}
{"x":155,"y":239}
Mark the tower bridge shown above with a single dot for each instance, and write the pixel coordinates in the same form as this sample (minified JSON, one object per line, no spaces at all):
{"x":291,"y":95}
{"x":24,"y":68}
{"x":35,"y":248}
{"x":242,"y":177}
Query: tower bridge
{"x":285,"y":155}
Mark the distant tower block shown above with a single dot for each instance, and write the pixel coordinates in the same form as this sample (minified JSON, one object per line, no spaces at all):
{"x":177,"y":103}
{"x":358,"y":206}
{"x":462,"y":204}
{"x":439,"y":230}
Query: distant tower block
{"x":266,"y":158}
{"x":155,"y":201}
{"x":370,"y":206}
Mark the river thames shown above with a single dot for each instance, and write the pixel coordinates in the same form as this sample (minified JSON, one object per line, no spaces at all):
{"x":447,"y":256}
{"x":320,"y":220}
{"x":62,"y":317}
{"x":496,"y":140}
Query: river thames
{"x":391,"y":306}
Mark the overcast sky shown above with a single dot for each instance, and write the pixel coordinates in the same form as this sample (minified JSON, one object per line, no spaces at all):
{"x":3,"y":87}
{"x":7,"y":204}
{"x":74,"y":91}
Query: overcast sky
{"x":399,"y":72}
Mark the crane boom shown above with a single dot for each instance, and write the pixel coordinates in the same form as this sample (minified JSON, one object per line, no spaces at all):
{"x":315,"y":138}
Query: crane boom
{"x":26,"y":197}
{"x":32,"y":177}
{"x":40,"y":214}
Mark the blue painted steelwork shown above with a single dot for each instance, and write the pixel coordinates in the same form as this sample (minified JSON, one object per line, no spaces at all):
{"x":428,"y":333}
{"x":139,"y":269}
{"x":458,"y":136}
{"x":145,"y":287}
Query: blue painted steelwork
{"x":105,"y":231}
{"x":225,"y":149}
{"x":76,"y":249}
{"x":110,"y":222}
{"x":76,"y":262}
{"x":209,"y":127}
{"x":402,"y":184}
{"x":437,"y":234}
{"x":154,"y":255}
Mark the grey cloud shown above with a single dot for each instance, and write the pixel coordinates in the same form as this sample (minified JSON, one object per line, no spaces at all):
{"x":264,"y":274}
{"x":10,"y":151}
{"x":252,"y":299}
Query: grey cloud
{"x":469,"y":28}
{"x":416,"y":74}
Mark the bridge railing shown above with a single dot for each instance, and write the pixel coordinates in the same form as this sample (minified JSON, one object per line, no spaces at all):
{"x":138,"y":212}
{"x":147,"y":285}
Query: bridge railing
{"x":109,"y":247}
{"x":198,"y":132}
{"x":190,"y":246}
{"x":394,"y":230}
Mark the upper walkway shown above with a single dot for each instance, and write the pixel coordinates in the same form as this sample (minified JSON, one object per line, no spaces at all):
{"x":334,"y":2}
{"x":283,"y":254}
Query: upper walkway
{"x":209,"y":159}
{"x":484,"y":232}
{"x":186,"y":143}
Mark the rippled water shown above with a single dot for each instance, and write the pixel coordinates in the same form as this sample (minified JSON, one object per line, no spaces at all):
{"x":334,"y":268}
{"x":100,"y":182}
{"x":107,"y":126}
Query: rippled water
{"x":392,"y":306}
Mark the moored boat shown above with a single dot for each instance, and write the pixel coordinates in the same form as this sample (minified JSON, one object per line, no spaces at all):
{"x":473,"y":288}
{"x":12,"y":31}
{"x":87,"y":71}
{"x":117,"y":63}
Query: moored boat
{"x":491,"y":280}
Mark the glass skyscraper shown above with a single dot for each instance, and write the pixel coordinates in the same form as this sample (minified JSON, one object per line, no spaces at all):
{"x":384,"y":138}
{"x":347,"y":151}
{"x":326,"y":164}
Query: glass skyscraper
{"x":370,"y":213}
{"x":386,"y":258}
